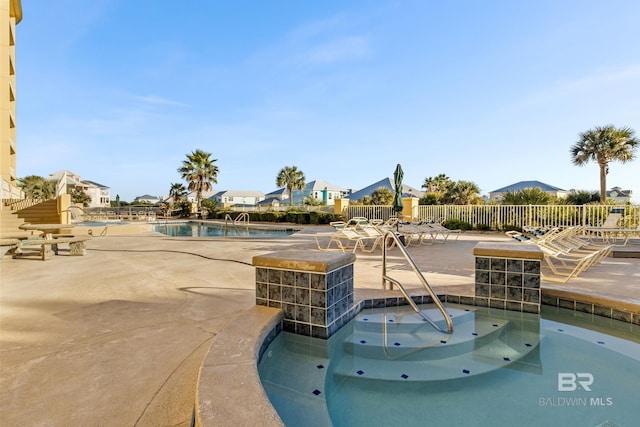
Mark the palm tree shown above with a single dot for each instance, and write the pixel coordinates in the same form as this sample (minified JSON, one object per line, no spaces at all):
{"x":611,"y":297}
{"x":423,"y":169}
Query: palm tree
{"x":462,"y":193}
{"x":37,"y":187}
{"x":292,"y":178}
{"x":438,"y":184}
{"x":526,"y":196}
{"x":382,"y":196}
{"x":200,"y":172}
{"x":177,"y":192}
{"x":604,"y":144}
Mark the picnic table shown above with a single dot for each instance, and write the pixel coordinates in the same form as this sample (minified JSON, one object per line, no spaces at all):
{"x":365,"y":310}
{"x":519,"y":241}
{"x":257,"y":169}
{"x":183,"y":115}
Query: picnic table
{"x":48,"y":243}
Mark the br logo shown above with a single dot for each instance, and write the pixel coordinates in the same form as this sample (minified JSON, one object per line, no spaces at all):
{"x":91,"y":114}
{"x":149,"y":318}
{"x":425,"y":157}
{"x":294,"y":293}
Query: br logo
{"x":568,"y":381}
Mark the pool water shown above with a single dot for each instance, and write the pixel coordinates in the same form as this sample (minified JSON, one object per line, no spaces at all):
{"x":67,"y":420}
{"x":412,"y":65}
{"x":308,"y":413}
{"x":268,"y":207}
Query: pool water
{"x":199,"y":229}
{"x":500,"y":368}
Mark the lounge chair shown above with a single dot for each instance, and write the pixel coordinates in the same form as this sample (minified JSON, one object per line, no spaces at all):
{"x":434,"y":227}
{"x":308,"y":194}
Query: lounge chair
{"x":346,"y":234}
{"x":565,"y":254}
{"x":608,"y":230}
{"x":417,"y":235}
{"x":439,"y":229}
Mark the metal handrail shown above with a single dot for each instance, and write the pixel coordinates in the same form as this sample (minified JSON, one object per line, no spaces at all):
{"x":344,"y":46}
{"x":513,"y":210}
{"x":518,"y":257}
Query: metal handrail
{"x":243,"y":217}
{"x":423,"y":280}
{"x":228,"y":219}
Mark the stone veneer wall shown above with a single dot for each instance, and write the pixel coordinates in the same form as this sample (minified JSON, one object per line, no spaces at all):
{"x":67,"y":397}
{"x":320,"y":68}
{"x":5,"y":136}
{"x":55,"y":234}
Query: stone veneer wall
{"x":508,"y":276}
{"x":314,"y":290}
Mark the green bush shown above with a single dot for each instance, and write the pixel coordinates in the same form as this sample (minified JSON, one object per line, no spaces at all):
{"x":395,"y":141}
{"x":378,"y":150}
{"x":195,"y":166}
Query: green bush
{"x":483,"y":227}
{"x":303,"y":218}
{"x":456,"y":224}
{"x":511,"y":227}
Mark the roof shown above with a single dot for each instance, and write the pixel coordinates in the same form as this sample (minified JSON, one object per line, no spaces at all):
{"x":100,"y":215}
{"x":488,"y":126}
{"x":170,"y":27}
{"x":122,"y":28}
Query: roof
{"x":618,"y":192}
{"x":147,"y":197}
{"x":239,"y":193}
{"x":277,"y":192}
{"x":315,"y":185}
{"x":94,"y":183}
{"x":319,"y":185}
{"x":270,"y":201}
{"x":518,"y":186}
{"x":407,"y":191}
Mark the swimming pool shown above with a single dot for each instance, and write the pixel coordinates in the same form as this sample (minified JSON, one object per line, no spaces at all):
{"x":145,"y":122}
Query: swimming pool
{"x":201,"y":229}
{"x":499,"y":368}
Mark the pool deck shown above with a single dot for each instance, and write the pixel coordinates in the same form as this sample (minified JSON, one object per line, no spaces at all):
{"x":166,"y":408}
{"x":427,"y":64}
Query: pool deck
{"x":117,"y":337}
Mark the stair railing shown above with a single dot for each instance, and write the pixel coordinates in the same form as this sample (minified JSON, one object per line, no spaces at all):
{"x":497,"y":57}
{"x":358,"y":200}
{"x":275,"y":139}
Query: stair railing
{"x":385,"y":278}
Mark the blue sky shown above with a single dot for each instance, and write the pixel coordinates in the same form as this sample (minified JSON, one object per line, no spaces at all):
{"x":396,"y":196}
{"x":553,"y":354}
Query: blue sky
{"x":493,"y":92}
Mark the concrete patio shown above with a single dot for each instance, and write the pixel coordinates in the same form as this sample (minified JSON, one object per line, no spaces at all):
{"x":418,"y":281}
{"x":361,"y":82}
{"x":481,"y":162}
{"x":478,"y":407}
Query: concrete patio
{"x":117,"y":337}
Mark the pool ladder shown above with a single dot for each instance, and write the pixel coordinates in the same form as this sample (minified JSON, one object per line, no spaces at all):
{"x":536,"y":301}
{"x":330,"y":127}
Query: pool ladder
{"x":243,"y":219}
{"x":386,"y":278}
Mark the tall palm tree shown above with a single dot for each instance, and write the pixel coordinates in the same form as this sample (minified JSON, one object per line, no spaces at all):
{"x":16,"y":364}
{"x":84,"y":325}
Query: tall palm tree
{"x":604,"y":144}
{"x":200,"y":172}
{"x":292,"y":178}
{"x":177,"y":191}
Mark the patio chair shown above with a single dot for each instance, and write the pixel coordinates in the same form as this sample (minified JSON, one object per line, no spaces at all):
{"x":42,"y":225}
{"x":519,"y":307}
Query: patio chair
{"x":345,"y":235}
{"x":563,"y":262}
{"x":440,"y":229}
{"x":418,"y":235}
{"x":608,"y":229}
{"x":564,"y":267}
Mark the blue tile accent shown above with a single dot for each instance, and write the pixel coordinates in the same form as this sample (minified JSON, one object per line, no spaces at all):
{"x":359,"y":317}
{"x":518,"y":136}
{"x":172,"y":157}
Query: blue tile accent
{"x":316,"y":392}
{"x":466,"y":371}
{"x":397,"y":344}
{"x":320,"y":366}
{"x":360,"y":372}
{"x":404,"y":376}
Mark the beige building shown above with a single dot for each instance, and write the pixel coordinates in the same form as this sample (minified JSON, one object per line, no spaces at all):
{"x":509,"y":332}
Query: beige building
{"x":10,"y":15}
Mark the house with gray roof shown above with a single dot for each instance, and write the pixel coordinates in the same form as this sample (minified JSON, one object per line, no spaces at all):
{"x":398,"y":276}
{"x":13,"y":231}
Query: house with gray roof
{"x":407,"y":190}
{"x":318,"y":189}
{"x":518,"y":186}
{"x":237,"y":197}
{"x":147,"y":199}
{"x":619,"y":195}
{"x":322,"y":190}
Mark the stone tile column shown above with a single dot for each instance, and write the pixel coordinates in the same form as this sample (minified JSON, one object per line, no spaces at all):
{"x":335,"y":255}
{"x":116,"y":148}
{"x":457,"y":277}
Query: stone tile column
{"x":508,"y":276}
{"x":313,"y":289}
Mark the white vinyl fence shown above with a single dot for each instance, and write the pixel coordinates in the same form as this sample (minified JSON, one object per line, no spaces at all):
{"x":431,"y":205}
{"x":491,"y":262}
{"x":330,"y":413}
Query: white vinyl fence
{"x":499,"y":217}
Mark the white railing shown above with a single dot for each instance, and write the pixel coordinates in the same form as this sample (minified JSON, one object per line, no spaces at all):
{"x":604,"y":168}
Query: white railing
{"x":499,"y":217}
{"x":10,"y":191}
{"x":281,"y":208}
{"x":370,"y":212}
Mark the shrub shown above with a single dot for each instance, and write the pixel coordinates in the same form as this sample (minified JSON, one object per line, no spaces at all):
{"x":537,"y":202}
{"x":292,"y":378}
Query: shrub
{"x":456,"y":224}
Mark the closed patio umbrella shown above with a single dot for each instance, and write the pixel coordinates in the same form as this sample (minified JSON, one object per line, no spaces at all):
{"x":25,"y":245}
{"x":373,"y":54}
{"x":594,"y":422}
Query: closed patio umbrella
{"x":397,"y":198}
